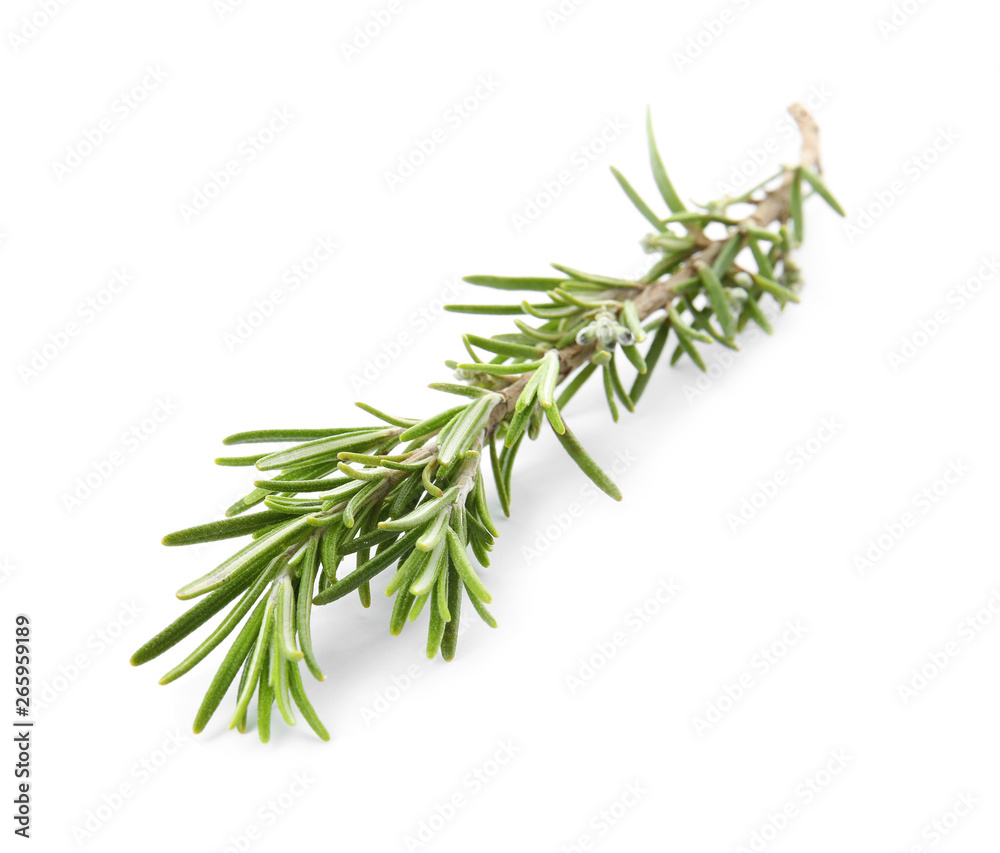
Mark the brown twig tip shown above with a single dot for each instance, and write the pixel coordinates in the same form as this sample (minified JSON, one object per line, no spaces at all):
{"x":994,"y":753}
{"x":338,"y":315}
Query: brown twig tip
{"x":810,"y":134}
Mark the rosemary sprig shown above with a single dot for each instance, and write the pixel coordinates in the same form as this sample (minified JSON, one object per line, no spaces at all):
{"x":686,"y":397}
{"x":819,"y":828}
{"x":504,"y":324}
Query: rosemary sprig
{"x":411,"y":493}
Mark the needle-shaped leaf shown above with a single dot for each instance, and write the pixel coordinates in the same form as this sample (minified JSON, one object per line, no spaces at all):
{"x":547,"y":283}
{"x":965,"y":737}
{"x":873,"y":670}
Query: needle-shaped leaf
{"x":816,"y":182}
{"x":377,"y":564}
{"x":795,"y":203}
{"x":514,"y":283}
{"x":634,"y":197}
{"x":503,"y":347}
{"x":267,"y":435}
{"x":298,"y":692}
{"x":659,"y":172}
{"x":423,"y":513}
{"x":303,"y":606}
{"x":718,"y":300}
{"x":430,"y":425}
{"x":460,"y":560}
{"x":727,"y":255}
{"x":230,"y":665}
{"x":501,"y":369}
{"x":779,"y":291}
{"x":449,"y":642}
{"x":189,"y":621}
{"x":589,"y":467}
{"x":485,"y":309}
{"x":382,"y":416}
{"x":594,"y":278}
{"x":652,"y":357}
{"x":256,"y":659}
{"x":247,"y":559}
{"x":225,"y":628}
{"x":284,"y":622}
{"x":325,"y":448}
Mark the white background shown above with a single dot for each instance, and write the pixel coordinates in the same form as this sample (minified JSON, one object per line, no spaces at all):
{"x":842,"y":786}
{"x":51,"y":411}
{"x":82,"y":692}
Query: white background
{"x":884,"y":96}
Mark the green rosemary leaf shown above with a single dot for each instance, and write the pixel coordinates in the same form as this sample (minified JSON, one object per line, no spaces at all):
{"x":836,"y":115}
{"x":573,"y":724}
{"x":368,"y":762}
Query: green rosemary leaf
{"x":265,"y":699}
{"x":368,"y":540}
{"x":609,"y":392}
{"x":303,"y":607}
{"x":730,"y":250}
{"x":355,"y":503}
{"x":498,"y":478}
{"x":435,"y":630}
{"x":460,"y":390}
{"x":550,"y":312}
{"x":755,"y":313}
{"x":718,"y":299}
{"x":667,"y":264}
{"x":485,"y":309}
{"x":795,"y":203}
{"x":257,"y":495}
{"x":430,"y":425}
{"x":502,"y":347}
{"x":239,"y":461}
{"x":427,"y":478}
{"x":515,"y":430}
{"x":423,"y":513}
{"x":595,"y":279}
{"x":449,"y":642}
{"x":263,"y":435}
{"x":780,"y":292}
{"x":298,"y":692}
{"x":466,"y":430}
{"x":325,"y":448}
{"x":433,"y":533}
{"x":548,"y":375}
{"x":762,"y":234}
{"x":634,"y":197}
{"x":225,"y":628}
{"x":435,"y":563}
{"x":366,"y":475}
{"x":683,"y":330}
{"x":688,"y":346}
{"x":589,"y":467}
{"x":460,"y":560}
{"x":480,"y":608}
{"x":278,"y":677}
{"x":230,"y":666}
{"x":652,"y":356}
{"x":319,"y":485}
{"x":619,"y":389}
{"x":514,"y":283}
{"x":381,"y":561}
{"x":630,"y":319}
{"x":189,"y":621}
{"x":501,"y":369}
{"x":382,"y":416}
{"x":292,"y":506}
{"x":241,"y":724}
{"x":760,"y":256}
{"x":257,"y":657}
{"x":659,"y":173}
{"x":284,"y":621}
{"x":245,"y":560}
{"x":478,"y":501}
{"x":816,"y":182}
{"x":225,"y":529}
